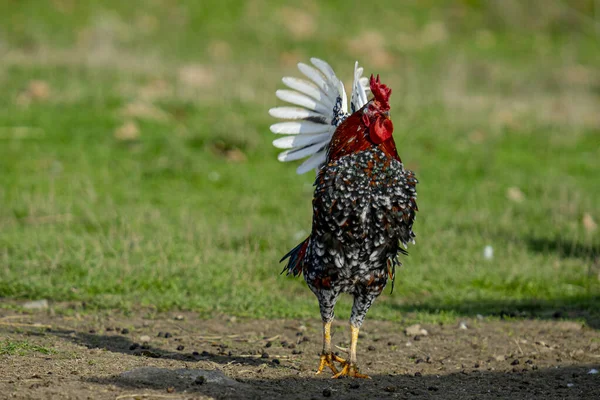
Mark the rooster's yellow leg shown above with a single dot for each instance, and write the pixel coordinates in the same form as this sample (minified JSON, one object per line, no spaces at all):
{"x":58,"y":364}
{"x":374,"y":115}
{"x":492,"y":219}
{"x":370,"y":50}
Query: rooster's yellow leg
{"x":327,"y":357}
{"x":349,"y":368}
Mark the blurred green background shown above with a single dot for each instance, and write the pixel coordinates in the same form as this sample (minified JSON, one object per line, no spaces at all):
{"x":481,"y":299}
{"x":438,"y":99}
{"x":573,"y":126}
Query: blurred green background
{"x":136,"y":165}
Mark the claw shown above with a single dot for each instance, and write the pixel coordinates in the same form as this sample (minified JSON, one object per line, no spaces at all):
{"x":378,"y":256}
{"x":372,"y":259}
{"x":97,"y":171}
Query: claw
{"x":350,"y":370}
{"x":327,"y":360}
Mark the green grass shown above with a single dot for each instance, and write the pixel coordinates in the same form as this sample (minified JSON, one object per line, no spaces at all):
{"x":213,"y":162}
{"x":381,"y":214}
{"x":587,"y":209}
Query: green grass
{"x":21,"y":348}
{"x":486,"y":98}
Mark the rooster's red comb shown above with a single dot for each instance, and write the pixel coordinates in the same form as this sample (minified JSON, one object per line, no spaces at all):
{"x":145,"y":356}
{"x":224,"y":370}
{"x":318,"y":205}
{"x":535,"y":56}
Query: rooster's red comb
{"x":381,"y":92}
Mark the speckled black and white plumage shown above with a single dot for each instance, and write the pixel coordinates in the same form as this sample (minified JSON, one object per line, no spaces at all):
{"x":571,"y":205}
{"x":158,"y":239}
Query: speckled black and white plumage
{"x":363,"y":211}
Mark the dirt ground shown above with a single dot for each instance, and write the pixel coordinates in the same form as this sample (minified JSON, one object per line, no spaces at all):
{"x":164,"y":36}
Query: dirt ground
{"x":237,"y":358}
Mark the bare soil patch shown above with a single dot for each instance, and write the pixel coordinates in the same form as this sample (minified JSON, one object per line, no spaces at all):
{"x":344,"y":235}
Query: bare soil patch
{"x":231,"y":357}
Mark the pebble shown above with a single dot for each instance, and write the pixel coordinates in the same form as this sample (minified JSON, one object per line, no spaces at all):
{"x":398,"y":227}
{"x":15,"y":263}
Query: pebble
{"x":200,"y":380}
{"x":134,"y":346}
{"x":168,"y":335}
{"x":390,"y":389}
{"x":418,"y":374}
{"x":414,"y":330}
{"x":264,"y":355}
{"x":124,"y":331}
{"x":515,"y":362}
{"x":179,"y":317}
{"x":371,"y":348}
{"x":462,"y":325}
{"x":144,"y":338}
{"x":354,"y":385}
{"x":36,"y":305}
{"x":180,"y":347}
{"x":268,"y":344}
{"x":326,"y":392}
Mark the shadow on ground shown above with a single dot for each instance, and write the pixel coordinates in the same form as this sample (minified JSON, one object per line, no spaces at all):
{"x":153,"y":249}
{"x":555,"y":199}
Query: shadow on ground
{"x":578,"y":308}
{"x":565,"y":248}
{"x":554,"y":383}
{"x":124,"y":345}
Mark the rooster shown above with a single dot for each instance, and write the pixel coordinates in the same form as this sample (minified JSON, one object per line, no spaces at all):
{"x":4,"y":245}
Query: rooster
{"x":364,"y":202}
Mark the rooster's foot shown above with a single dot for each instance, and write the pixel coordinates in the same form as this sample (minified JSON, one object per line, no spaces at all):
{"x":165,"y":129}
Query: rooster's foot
{"x":327,"y":360}
{"x":349,"y":369}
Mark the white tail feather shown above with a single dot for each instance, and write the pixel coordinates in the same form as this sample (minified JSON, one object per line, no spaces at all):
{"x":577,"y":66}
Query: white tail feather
{"x":294,"y":128}
{"x":301,"y":100}
{"x":313,"y":162}
{"x":290,"y":142}
{"x":296,"y":113}
{"x":296,"y":154}
{"x":308,"y":89}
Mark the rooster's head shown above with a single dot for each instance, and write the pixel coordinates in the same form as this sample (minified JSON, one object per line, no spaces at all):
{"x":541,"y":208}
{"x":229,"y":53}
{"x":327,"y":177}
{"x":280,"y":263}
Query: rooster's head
{"x":376,"y":114}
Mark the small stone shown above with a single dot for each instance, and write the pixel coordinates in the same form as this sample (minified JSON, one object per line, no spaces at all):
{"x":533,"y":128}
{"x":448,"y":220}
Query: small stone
{"x":179,"y":317}
{"x":168,"y":335}
{"x":124,"y":331}
{"x":476,"y":365}
{"x":134,"y":346}
{"x":417,"y":338}
{"x":276,"y":361}
{"x":390,"y":389}
{"x":414,"y":330}
{"x":291,"y":346}
{"x":36,"y":305}
{"x":529,"y":362}
{"x":200,"y":380}
{"x":109,"y":329}
{"x":264,"y":355}
{"x":195,"y":353}
{"x":433,"y":388}
{"x":170,"y":389}
{"x":161,"y":334}
{"x":515,"y":362}
{"x":488,"y":252}
{"x":371,"y":348}
{"x":205,"y":354}
{"x":180,"y":347}
{"x":144,"y":338}
{"x":296,"y":351}
{"x":462,"y":325}
{"x":268,"y":344}
{"x":326,"y":392}
{"x":500,"y":358}
{"x":354,"y":385}
{"x":592,"y":371}
{"x":418,"y":374}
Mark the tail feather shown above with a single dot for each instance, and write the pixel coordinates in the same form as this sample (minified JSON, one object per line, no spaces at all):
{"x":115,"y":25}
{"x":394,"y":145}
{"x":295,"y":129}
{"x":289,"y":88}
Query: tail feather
{"x":296,"y":258}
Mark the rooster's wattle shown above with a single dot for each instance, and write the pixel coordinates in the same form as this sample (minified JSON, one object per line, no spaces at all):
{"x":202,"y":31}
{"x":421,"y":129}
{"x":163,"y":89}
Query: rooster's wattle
{"x":364,"y":203}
